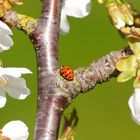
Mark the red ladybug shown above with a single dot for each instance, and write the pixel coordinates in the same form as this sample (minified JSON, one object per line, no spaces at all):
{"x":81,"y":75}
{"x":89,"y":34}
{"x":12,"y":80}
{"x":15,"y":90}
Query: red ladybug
{"x":67,"y":73}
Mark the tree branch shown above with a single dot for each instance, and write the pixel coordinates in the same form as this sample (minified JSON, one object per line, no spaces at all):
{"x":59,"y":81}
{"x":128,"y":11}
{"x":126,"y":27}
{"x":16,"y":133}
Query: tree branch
{"x":22,"y":22}
{"x":98,"y":71}
{"x":51,"y":102}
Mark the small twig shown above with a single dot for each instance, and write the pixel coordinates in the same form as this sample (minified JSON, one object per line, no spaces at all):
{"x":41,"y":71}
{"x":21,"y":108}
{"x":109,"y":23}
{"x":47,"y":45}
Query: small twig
{"x":22,"y":22}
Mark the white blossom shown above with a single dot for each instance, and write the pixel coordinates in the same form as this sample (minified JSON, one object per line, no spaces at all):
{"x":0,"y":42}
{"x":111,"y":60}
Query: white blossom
{"x":12,"y":83}
{"x":15,"y":130}
{"x":121,"y":23}
{"x":74,"y":8}
{"x":5,"y":40}
{"x":134,"y":104}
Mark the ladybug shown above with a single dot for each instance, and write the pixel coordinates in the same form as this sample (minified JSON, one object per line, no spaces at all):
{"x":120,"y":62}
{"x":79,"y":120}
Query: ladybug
{"x":67,"y":73}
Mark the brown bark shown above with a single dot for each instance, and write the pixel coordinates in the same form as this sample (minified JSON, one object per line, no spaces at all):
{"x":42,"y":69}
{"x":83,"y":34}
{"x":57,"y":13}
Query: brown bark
{"x":51,"y":102}
{"x":21,"y":22}
{"x":98,"y":71}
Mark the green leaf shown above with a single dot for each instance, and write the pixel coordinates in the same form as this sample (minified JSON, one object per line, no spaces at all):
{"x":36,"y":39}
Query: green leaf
{"x":126,"y":75}
{"x":125,"y":64}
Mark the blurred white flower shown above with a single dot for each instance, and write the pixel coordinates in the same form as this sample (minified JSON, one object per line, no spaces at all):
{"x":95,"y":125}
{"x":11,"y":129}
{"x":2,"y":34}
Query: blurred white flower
{"x":134,"y":104}
{"x":121,"y":23}
{"x":12,"y":83}
{"x":5,"y":41}
{"x":15,"y":130}
{"x":74,"y":8}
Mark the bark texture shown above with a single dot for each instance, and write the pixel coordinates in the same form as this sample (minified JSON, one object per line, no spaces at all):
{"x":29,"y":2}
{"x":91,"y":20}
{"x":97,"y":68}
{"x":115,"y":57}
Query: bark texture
{"x":21,"y":22}
{"x":51,"y":102}
{"x":98,"y":71}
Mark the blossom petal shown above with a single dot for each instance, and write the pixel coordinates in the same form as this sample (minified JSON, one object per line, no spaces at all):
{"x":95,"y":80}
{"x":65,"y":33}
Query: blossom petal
{"x":4,"y":29}
{"x":15,"y":72}
{"x":126,"y":75}
{"x":15,"y":130}
{"x":3,"y":47}
{"x":64,"y":25}
{"x":134,"y":104}
{"x":121,"y":23}
{"x":5,"y":40}
{"x":135,"y":46}
{"x":16,"y":88}
{"x":126,"y":64}
{"x":77,"y":8}
{"x":2,"y":98}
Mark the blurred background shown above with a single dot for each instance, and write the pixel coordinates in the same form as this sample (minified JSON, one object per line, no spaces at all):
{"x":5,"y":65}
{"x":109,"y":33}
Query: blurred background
{"x":103,"y":112}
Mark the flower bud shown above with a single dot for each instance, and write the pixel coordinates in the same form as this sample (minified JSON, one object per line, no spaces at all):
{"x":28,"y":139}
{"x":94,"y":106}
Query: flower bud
{"x":116,"y":15}
{"x":126,"y":10}
{"x":120,"y":13}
